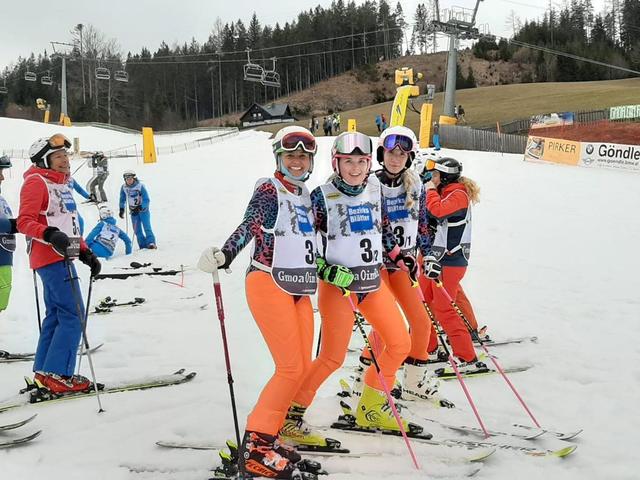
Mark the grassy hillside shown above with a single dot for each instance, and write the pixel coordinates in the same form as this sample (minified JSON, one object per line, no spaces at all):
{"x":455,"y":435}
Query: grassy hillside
{"x":503,"y":103}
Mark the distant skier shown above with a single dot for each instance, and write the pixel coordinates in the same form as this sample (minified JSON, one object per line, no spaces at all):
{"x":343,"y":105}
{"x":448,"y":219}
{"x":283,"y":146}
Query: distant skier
{"x":48,"y":215}
{"x":135,"y":195}
{"x":104,"y":236}
{"x":83,"y":193}
{"x":7,"y":241}
{"x":100,"y":165}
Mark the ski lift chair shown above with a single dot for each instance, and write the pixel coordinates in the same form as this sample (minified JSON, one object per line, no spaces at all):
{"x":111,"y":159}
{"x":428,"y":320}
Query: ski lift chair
{"x":102,"y":73}
{"x":271,"y":77}
{"x":46,"y":79}
{"x":252,"y":71}
{"x":30,"y":76}
{"x":121,"y":76}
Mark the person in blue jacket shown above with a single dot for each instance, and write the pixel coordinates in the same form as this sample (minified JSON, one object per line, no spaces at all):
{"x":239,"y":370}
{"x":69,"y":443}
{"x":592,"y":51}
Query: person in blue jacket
{"x":7,"y":241}
{"x":137,"y":198}
{"x":103,"y":238}
{"x":83,"y":193}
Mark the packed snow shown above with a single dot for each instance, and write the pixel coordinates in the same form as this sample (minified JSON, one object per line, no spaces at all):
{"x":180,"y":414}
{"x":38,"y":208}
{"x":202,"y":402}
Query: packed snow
{"x":554,"y":255}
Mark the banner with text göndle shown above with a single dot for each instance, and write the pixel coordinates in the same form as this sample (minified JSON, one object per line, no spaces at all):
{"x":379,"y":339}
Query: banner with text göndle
{"x":610,"y":155}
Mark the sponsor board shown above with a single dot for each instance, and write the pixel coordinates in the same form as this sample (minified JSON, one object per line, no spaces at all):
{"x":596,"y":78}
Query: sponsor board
{"x":610,"y":155}
{"x":552,"y":150}
{"x":552,"y":120}
{"x":624,"y":112}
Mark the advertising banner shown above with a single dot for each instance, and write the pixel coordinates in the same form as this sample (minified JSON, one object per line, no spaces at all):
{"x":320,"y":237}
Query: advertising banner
{"x":610,"y":155}
{"x":624,"y":112}
{"x":552,"y":120}
{"x":552,"y":150}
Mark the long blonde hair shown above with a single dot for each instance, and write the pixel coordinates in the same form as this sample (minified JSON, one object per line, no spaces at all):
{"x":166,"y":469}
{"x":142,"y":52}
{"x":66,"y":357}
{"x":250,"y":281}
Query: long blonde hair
{"x":409,"y":181}
{"x":473,"y":190}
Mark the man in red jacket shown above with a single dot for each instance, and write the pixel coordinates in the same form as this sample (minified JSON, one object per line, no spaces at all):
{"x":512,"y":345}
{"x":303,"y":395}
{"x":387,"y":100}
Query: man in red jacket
{"x":49,"y":218}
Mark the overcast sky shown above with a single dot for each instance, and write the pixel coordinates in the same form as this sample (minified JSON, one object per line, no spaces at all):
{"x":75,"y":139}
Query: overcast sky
{"x":29,"y":26}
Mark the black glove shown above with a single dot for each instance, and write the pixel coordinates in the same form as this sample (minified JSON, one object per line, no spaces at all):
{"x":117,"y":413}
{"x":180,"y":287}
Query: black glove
{"x":432,"y":269}
{"x":14,"y":227}
{"x":90,"y":260}
{"x":405,"y":262}
{"x":92,"y":197}
{"x":121,"y":213}
{"x":58,"y":240}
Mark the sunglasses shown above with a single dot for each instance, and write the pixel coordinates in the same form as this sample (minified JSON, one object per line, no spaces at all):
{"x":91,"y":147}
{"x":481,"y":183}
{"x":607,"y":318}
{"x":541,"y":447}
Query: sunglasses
{"x":348,"y":143}
{"x":392,"y":141}
{"x":293,"y":141}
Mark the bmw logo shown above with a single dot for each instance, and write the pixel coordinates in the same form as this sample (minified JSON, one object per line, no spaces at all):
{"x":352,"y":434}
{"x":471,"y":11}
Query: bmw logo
{"x":589,"y":149}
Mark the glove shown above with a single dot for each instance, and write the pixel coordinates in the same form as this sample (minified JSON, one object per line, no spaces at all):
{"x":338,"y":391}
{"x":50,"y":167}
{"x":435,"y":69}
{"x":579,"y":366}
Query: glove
{"x":212,"y":259}
{"x":121,"y":213}
{"x":337,"y":275}
{"x":405,"y":262}
{"x":90,"y":260}
{"x":92,"y":197}
{"x":58,"y":240}
{"x":432,"y":268}
{"x":136,"y":210}
{"x":14,"y":227}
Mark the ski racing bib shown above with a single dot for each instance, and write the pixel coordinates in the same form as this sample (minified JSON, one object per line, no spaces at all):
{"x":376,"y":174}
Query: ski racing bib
{"x":134,"y":195}
{"x":403,"y":219}
{"x":7,"y":240}
{"x":293,"y":266}
{"x":108,"y":236}
{"x":354,"y":233}
{"x":445,"y":229}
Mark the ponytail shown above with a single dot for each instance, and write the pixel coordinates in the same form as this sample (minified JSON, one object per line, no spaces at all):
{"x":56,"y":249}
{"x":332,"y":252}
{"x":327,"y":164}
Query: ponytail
{"x":473,"y":190}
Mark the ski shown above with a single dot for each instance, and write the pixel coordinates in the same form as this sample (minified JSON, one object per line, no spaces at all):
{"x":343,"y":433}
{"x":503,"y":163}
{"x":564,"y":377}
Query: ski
{"x":31,"y":394}
{"x":124,"y":276}
{"x":307,"y":450}
{"x":508,"y":341}
{"x":447,"y":373}
{"x":6,"y":357}
{"x":14,"y":442}
{"x":559,"y":435}
{"x":108,"y":304}
{"x":12,"y":426}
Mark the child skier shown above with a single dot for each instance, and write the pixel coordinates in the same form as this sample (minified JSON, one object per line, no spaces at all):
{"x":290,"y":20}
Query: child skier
{"x":48,"y":215}
{"x":7,"y":241}
{"x":280,"y":306}
{"x":135,"y":195}
{"x":103,"y":238}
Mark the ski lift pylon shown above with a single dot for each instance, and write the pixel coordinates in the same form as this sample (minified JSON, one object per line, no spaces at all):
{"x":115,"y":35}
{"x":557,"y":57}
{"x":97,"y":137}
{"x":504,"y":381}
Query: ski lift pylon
{"x":46,"y":79}
{"x":3,"y":88}
{"x":102,"y":73}
{"x":271,"y":77}
{"x":30,"y":76}
{"x":121,"y":76}
{"x":252,"y":71}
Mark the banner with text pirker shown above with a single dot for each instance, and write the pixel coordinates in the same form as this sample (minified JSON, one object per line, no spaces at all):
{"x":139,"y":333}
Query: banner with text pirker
{"x":552,"y":150}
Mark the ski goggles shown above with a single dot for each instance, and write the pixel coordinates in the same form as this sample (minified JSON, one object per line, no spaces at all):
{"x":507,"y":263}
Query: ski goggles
{"x":432,"y":165}
{"x":348,"y":143}
{"x":404,"y":142}
{"x":293,"y":141}
{"x":55,"y":142}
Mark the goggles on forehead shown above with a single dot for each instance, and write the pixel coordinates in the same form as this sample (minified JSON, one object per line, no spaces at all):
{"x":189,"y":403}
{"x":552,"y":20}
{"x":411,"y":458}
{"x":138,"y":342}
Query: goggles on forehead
{"x":404,"y":142}
{"x":59,"y":141}
{"x":293,"y":141}
{"x":431,"y":165}
{"x":348,"y":143}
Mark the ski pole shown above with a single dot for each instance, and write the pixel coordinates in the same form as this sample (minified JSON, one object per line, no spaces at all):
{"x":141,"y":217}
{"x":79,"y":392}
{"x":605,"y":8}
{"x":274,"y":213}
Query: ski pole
{"x":319,"y":341}
{"x":83,"y":323}
{"x":217,"y":290}
{"x":35,"y":288}
{"x":86,"y":319}
{"x":455,"y":306}
{"x":358,"y":318}
{"x":467,"y":393}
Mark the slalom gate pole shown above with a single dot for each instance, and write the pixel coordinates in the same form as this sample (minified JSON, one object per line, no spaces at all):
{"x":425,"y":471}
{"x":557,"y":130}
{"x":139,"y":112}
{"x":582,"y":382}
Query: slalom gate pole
{"x":456,"y":308}
{"x":35,"y":288}
{"x":83,"y":323}
{"x":217,"y":290}
{"x":358,"y":318}
{"x":467,"y":393}
{"x":86,"y":319}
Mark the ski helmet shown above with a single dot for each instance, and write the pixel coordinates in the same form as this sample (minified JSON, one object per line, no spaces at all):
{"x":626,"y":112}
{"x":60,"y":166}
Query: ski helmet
{"x":43,"y":147}
{"x":5,"y":162}
{"x":105,"y":211}
{"x":397,"y":136}
{"x":350,"y":143}
{"x":290,"y":139}
{"x":420,"y":164}
{"x":129,"y":174}
{"x":449,"y":168}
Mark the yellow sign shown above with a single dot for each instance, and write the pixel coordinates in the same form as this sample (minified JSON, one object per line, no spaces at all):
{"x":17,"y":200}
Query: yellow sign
{"x":148,"y":145}
{"x":554,"y":150}
{"x":426,"y":113}
{"x":351,"y":125}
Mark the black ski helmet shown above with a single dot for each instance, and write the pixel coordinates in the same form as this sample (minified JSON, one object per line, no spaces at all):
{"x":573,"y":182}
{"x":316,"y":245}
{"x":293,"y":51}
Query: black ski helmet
{"x":5,"y":162}
{"x":449,"y":169}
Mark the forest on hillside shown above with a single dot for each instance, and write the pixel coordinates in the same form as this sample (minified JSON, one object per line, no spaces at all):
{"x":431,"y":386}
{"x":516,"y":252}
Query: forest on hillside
{"x":177,"y":86}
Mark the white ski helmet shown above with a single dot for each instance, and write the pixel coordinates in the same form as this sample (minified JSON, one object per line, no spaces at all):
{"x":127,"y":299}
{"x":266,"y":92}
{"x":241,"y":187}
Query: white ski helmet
{"x":289,"y":139}
{"x":105,"y":211}
{"x":43,"y":147}
{"x":397,"y":136}
{"x":129,"y":174}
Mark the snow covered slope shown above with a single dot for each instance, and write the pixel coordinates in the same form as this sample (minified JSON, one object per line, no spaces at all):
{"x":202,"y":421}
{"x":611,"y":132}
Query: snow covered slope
{"x":554,"y":254}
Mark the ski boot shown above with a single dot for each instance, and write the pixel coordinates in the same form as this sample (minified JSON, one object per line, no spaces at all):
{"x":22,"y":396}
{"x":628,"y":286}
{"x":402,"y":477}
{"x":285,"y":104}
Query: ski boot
{"x":474,"y":366}
{"x":420,"y":384}
{"x":375,"y":413}
{"x":259,"y":459}
{"x":60,"y":385}
{"x":296,"y":431}
{"x":358,"y":382}
{"x":437,"y":357}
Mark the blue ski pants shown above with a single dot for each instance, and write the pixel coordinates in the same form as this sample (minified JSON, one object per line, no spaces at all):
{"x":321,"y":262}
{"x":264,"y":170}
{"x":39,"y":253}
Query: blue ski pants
{"x":142,"y":228}
{"x":61,"y":326}
{"x":100,"y":250}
